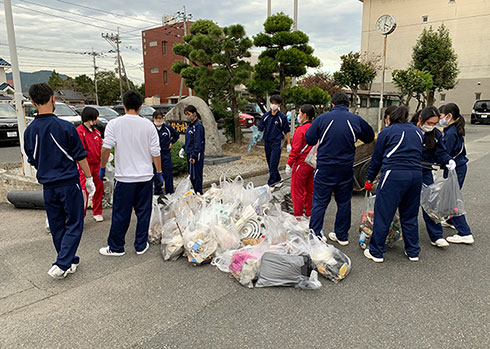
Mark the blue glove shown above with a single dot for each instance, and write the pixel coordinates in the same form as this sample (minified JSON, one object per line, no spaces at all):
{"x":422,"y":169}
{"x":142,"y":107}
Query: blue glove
{"x":160,"y":180}
{"x":102,"y":173}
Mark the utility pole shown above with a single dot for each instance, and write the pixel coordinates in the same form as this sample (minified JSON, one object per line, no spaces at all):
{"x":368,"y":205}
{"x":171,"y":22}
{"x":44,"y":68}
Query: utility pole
{"x":21,"y":120}
{"x":94,"y":55}
{"x":293,"y":80}
{"x":269,"y":8}
{"x":113,"y":39}
{"x":184,"y":17}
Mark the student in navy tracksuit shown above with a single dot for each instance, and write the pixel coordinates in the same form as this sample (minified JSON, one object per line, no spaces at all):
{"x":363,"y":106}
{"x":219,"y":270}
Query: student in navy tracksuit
{"x":398,"y":154}
{"x":53,"y":147}
{"x":275,"y":126}
{"x":336,"y":133}
{"x":168,"y":136}
{"x":453,"y":139}
{"x":194,"y":147}
{"x":434,"y":153}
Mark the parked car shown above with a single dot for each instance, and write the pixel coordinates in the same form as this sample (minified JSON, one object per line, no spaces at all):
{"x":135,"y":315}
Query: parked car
{"x":62,"y":111}
{"x":254,"y":110}
{"x":9,"y":131}
{"x":106,"y":114}
{"x":163,"y":108}
{"x":481,"y":112}
{"x":246,"y":120}
{"x":146,"y":111}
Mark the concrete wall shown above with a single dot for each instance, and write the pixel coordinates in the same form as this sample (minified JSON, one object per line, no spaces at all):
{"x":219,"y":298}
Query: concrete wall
{"x":468,"y":23}
{"x":11,"y":178}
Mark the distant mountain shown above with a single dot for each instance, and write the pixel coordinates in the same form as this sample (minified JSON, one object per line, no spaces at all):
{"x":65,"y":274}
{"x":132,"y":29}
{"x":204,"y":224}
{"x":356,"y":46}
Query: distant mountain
{"x":36,"y":77}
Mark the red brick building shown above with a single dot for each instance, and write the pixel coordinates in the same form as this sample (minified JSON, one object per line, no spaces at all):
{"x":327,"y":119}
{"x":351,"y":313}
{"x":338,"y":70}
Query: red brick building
{"x":158,"y":58}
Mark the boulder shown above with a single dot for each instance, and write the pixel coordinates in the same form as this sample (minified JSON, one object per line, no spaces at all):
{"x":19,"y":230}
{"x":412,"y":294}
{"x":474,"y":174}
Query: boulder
{"x":213,"y":143}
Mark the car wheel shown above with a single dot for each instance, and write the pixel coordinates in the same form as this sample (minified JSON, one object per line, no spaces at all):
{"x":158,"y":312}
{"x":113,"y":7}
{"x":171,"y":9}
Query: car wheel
{"x":473,"y":122}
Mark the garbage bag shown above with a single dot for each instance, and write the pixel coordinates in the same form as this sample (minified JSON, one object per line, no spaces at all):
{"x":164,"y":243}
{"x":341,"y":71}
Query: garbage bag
{"x":367,"y":223}
{"x":256,"y":137}
{"x":226,"y":239}
{"x":172,"y":243}
{"x":156,"y":222}
{"x":328,"y":260}
{"x":311,"y":157}
{"x":443,"y":199}
{"x":199,"y":244}
{"x":283,"y":270}
{"x":312,"y":283}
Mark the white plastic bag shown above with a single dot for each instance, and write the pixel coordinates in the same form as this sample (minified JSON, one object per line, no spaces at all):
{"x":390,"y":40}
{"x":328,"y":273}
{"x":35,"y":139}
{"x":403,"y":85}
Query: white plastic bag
{"x":329,"y":261}
{"x":172,"y":242}
{"x":311,"y":157}
{"x":156,"y":222}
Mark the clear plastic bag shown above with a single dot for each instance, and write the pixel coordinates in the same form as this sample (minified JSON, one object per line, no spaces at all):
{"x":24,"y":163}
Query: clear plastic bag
{"x":199,"y":244}
{"x":311,"y":157}
{"x":172,"y":243}
{"x":367,"y":223}
{"x":256,"y":137}
{"x":443,"y":199}
{"x":155,"y":231}
{"x":310,"y":284}
{"x":328,"y":260}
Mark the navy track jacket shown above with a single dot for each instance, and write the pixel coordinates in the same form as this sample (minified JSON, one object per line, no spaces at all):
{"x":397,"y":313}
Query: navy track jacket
{"x":455,"y":145}
{"x":194,"y":139}
{"x":399,"y":147}
{"x":337,"y":133}
{"x":274,"y":126}
{"x":167,"y":135}
{"x":438,"y":155}
{"x":53,"y":147}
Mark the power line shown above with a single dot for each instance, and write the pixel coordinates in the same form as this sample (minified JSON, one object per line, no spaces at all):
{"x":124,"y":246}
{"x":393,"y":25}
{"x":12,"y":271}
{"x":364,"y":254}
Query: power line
{"x":77,"y":14}
{"x":50,"y":50}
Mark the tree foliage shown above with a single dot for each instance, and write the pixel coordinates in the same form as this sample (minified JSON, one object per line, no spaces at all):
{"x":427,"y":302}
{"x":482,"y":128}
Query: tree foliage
{"x":85,"y":85}
{"x":299,"y":95}
{"x":413,"y":83}
{"x":355,"y":71}
{"x":286,"y":54}
{"x":434,"y":53}
{"x":108,"y":87}
{"x":217,"y":65}
{"x":55,"y":81}
{"x":323,"y":80}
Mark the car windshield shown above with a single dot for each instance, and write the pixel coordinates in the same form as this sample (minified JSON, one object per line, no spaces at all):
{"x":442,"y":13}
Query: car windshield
{"x":146,"y":110}
{"x":64,"y":110}
{"x":103,"y":111}
{"x":7,"y":112}
{"x":482,"y":105}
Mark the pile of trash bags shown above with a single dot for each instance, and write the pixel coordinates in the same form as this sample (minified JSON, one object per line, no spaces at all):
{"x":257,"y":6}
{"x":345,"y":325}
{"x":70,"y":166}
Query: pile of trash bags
{"x":242,"y":230}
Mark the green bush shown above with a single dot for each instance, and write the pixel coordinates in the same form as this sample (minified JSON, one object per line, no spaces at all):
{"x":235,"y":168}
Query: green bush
{"x":179,"y":165}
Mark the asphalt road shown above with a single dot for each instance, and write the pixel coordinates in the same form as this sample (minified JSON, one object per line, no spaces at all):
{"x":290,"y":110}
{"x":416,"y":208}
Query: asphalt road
{"x":133,"y":301}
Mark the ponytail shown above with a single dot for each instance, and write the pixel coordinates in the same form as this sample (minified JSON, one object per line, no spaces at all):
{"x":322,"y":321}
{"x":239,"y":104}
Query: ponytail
{"x":191,"y":109}
{"x":425,"y":114}
{"x":309,"y":111}
{"x":459,"y":122}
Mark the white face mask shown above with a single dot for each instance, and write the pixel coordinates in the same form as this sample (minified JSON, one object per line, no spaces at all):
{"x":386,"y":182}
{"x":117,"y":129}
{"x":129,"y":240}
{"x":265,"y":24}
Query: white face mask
{"x":444,"y":121}
{"x":274,"y":107}
{"x":427,"y":128}
{"x":158,"y":123}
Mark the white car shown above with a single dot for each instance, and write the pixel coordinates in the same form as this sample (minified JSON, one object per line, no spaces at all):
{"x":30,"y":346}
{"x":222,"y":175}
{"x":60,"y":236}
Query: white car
{"x":62,"y":111}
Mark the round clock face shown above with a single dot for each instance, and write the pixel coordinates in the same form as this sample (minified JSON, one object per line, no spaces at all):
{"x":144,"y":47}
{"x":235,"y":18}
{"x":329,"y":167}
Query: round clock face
{"x":386,"y":24}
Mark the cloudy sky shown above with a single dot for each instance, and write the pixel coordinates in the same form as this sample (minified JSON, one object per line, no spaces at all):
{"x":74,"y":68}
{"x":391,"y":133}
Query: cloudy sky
{"x":63,"y":28}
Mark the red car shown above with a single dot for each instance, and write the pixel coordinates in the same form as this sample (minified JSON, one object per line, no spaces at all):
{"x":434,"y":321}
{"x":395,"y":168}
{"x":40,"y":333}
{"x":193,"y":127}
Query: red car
{"x":246,"y":120}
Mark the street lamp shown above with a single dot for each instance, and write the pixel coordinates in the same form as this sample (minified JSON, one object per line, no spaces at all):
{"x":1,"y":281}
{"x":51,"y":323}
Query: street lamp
{"x":385,"y":25}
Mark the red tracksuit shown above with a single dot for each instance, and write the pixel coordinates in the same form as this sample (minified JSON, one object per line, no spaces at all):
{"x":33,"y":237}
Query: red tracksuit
{"x":302,"y":173}
{"x":92,"y":142}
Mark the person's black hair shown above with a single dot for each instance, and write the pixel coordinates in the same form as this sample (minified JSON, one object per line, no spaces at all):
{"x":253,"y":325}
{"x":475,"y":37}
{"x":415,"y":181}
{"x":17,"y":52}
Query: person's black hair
{"x":276,"y":99}
{"x":309,"y":111}
{"x":424,"y":115}
{"x":89,"y":114}
{"x":40,"y":94}
{"x":389,"y":111}
{"x":441,"y":108}
{"x":132,"y":100}
{"x":341,"y":98}
{"x":191,"y":109}
{"x":459,"y":122}
{"x":157,"y":113}
{"x":399,"y":116}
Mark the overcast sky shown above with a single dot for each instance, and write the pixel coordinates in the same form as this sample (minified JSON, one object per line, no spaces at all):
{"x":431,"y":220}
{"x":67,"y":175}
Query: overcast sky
{"x":334,"y":28}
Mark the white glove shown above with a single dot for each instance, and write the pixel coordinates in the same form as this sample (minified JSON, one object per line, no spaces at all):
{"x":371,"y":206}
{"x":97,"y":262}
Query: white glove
{"x":288,"y":148}
{"x":89,"y":184}
{"x":451,"y":165}
{"x":181,"y":153}
{"x":288,"y":170}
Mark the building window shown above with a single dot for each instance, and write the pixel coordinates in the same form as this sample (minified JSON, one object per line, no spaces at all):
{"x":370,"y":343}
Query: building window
{"x":154,"y":70}
{"x":153,"y":43}
{"x":425,"y":19}
{"x":164,"y":44}
{"x":443,"y":97}
{"x":374,"y":102}
{"x":364,"y":101}
{"x":478,"y":95}
{"x":165,"y":77}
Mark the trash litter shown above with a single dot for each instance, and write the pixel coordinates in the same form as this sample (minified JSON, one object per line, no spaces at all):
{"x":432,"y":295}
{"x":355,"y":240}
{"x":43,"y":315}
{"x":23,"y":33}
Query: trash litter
{"x":172,"y":241}
{"x":443,"y":199}
{"x":256,"y":137}
{"x":328,"y":260}
{"x":155,"y":231}
{"x":108,"y":183}
{"x":367,"y":223}
{"x":283,"y":270}
{"x":311,"y":157}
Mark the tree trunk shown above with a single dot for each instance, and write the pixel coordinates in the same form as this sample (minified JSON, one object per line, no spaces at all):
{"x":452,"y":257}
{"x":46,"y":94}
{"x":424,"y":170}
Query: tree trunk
{"x":237,"y":134}
{"x":430,"y":97}
{"x":357,"y":103}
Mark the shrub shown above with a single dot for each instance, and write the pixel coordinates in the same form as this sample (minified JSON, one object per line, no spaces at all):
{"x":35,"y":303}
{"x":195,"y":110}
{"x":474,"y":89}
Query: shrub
{"x":179,"y":165}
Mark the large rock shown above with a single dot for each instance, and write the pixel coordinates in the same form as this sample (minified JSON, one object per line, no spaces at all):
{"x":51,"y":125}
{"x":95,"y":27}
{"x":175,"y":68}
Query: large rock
{"x":213,"y":144}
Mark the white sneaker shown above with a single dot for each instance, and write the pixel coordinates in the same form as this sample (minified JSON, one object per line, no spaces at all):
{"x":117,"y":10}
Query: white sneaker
{"x":447,"y":225}
{"x":333,"y":237}
{"x":106,"y":251}
{"x":412,"y":259}
{"x":458,"y":239}
{"x":57,"y":273}
{"x":48,"y":229}
{"x":146,"y":249}
{"x":440,"y":243}
{"x":99,"y":218}
{"x":368,"y":254}
{"x":72,"y":269}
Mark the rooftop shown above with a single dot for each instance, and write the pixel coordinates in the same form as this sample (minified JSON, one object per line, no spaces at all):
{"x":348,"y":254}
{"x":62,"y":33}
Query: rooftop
{"x":4,"y":63}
